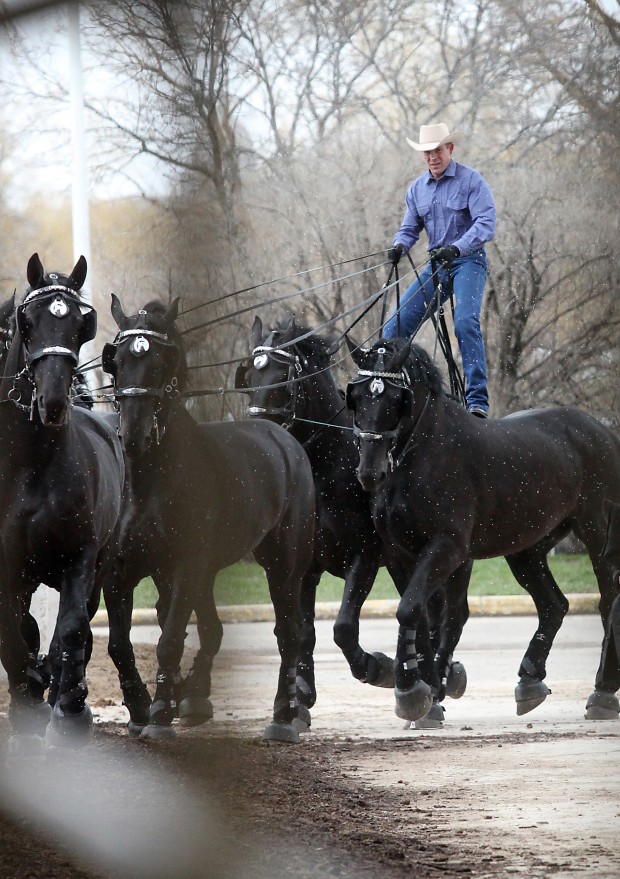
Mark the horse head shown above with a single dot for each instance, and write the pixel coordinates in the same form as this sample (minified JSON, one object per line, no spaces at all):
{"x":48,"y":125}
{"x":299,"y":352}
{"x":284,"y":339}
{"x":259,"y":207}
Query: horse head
{"x":52,"y":323}
{"x":148,"y":367}
{"x":387,"y":398}
{"x":282,"y":362}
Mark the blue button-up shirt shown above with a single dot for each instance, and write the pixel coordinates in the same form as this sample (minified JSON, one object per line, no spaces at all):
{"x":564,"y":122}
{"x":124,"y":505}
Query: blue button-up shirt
{"x":456,"y":209}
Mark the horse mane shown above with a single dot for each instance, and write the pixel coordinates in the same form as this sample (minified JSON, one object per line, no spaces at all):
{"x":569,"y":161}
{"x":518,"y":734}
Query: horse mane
{"x":314,"y":347}
{"x":419,"y":364}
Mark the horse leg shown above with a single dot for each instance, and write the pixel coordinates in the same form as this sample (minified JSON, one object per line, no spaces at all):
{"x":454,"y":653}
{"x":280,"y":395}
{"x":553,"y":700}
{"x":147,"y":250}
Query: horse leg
{"x":169,"y":654}
{"x":306,"y":687}
{"x":72,"y":721}
{"x":195,"y":706}
{"x":454,"y":615}
{"x":370,"y":668}
{"x":531,"y":570}
{"x":118,"y":596}
{"x":416,"y":679}
{"x":28,"y":713}
{"x":603,"y":703}
{"x":285,"y":567}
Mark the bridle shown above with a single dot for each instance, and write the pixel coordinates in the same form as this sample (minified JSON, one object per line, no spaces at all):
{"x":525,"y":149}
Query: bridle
{"x":261,"y":356}
{"x":139,"y":346}
{"x":58,"y":296}
{"x":378,"y":378}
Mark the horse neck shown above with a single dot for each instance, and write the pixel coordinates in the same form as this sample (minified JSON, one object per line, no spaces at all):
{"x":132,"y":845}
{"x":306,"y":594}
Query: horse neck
{"x":320,"y":401}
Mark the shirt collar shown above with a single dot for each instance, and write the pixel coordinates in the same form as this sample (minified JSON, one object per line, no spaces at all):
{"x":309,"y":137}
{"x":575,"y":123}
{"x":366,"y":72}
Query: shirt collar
{"x":449,"y":172}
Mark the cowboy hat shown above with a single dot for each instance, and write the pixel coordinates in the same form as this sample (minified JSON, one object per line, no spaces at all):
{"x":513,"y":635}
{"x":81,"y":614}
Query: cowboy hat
{"x":432,"y":136}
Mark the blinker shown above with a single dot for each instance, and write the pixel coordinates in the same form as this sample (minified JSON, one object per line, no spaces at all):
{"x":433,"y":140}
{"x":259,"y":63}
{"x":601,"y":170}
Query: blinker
{"x":261,"y":361}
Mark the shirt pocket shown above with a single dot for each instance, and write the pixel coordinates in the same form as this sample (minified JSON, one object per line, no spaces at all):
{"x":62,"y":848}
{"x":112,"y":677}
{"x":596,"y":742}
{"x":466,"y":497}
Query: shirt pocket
{"x":457,"y":202}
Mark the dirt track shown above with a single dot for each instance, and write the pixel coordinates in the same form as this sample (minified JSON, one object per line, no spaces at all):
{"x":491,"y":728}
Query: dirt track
{"x":490,"y":795}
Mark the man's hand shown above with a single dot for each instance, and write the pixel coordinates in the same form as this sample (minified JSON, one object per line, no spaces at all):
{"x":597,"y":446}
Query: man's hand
{"x":394,"y":253}
{"x":446,"y":254}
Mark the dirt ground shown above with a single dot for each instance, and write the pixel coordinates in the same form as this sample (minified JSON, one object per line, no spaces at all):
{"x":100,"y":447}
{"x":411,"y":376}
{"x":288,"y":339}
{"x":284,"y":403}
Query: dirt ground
{"x":540,"y":798}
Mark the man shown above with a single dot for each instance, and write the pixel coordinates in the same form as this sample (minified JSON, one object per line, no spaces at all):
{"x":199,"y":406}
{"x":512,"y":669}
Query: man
{"x":455,"y":206}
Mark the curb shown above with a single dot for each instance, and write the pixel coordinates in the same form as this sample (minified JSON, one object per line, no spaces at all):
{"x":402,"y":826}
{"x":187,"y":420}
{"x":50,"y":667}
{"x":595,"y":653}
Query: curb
{"x":479,"y":605}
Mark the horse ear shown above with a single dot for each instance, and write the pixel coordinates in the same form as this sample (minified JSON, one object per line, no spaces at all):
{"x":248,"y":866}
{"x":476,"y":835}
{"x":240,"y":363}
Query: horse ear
{"x":257,"y":332}
{"x":354,"y":350}
{"x":117,"y":311}
{"x":35,"y":271}
{"x":173,"y":311}
{"x":241,"y":377}
{"x":401,"y":357}
{"x":78,"y":275}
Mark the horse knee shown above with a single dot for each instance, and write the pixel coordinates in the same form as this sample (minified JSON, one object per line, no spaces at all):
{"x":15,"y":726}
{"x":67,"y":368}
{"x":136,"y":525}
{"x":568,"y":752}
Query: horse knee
{"x":345,"y":635}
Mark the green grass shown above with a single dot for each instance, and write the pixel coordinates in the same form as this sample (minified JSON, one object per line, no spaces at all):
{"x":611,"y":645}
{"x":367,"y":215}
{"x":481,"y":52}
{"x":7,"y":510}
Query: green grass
{"x":245,"y":583}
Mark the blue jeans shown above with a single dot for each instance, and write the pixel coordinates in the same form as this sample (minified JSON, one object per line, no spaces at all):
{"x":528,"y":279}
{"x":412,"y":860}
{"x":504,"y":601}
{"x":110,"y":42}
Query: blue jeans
{"x":468,"y":274}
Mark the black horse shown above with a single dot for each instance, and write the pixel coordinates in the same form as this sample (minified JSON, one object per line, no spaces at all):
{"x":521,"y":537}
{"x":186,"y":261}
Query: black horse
{"x":60,"y":492}
{"x":199,"y":497}
{"x":291,"y":382}
{"x":448,"y":487}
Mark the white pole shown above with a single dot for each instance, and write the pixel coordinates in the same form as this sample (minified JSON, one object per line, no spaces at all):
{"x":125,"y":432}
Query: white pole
{"x":79,"y":188}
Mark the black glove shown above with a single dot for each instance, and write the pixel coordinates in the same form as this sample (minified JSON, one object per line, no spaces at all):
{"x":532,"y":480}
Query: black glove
{"x":394,"y":253}
{"x":446,"y":254}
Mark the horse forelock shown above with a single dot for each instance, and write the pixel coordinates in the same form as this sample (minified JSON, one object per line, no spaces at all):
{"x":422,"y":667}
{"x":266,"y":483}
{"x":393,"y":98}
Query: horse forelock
{"x":57,"y":279}
{"x":419,"y":365}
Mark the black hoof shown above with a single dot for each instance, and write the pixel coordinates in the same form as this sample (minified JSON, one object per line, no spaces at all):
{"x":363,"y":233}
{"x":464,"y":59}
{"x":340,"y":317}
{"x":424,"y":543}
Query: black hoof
{"x":69,"y":730}
{"x":303,"y":721}
{"x":195,"y":710}
{"x":154,"y":732}
{"x":281,"y":732}
{"x":529,"y":695}
{"x":380,"y":671}
{"x":456,"y":682}
{"x":414,"y":703}
{"x":433,"y":720}
{"x":602,"y":706}
{"x":135,"y":729}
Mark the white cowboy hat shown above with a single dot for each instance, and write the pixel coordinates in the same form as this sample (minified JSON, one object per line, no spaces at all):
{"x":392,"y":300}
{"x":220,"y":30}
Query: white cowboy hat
{"x":432,"y":136}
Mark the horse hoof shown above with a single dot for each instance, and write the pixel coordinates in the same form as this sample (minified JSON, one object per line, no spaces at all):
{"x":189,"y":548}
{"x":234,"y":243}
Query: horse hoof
{"x":195,"y":710}
{"x":135,"y":729}
{"x":69,"y":730}
{"x":155,"y":732}
{"x":529,"y":695}
{"x":380,"y":671}
{"x":456,"y":682}
{"x":414,"y":703}
{"x":281,"y":732}
{"x":303,"y":721}
{"x":432,"y":720}
{"x":25,"y":746}
{"x":602,"y":706}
